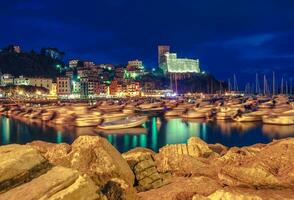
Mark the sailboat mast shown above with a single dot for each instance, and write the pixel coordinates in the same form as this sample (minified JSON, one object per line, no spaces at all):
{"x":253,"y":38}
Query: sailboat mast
{"x":282,"y":86}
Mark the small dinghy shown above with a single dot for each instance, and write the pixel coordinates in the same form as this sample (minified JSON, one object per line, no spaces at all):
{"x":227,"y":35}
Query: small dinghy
{"x":128,"y":122}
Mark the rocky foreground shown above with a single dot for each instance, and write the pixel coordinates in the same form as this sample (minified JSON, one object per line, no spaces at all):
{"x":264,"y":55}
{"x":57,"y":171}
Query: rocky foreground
{"x":91,"y":168}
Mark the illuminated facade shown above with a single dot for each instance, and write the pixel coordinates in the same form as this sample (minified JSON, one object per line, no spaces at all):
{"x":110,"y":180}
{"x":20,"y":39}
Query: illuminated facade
{"x":173,"y":64}
{"x":7,"y":79}
{"x":41,"y":82}
{"x":63,"y":86}
{"x":134,"y":69}
{"x":73,"y":63}
{"x":37,"y":82}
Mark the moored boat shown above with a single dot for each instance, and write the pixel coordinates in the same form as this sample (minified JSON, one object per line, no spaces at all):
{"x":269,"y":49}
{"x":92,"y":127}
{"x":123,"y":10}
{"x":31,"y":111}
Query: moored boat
{"x":128,"y":122}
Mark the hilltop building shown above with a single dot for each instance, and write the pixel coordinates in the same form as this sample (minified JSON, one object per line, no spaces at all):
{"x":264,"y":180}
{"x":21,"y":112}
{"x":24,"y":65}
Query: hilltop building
{"x":176,"y":68}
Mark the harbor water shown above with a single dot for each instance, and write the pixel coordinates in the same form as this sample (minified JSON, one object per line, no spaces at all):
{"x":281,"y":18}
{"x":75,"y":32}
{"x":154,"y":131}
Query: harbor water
{"x":154,"y":134}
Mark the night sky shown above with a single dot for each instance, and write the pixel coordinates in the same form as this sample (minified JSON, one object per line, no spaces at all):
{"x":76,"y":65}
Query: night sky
{"x":228,"y":36}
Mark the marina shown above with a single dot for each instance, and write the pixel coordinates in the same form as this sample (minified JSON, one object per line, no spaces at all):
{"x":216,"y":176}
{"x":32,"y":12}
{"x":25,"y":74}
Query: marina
{"x":153,"y":123}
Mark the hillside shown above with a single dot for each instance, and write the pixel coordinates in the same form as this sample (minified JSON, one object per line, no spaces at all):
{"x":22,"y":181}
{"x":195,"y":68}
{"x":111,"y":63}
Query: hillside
{"x":28,"y":64}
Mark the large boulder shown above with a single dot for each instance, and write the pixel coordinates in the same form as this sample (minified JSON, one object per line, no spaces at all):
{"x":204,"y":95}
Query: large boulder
{"x":92,"y":155}
{"x":181,"y":188}
{"x":142,"y":163}
{"x":59,"y":183}
{"x":270,"y":166}
{"x":195,"y":157}
{"x":195,"y":147}
{"x":95,"y":156}
{"x":19,"y":164}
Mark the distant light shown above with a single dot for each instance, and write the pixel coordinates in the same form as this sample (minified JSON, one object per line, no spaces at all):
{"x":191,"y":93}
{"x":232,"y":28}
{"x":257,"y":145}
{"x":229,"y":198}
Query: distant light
{"x":153,"y":69}
{"x":203,"y":72}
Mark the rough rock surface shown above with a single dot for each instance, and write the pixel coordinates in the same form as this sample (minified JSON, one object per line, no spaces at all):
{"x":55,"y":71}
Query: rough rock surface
{"x":182,"y":188}
{"x":261,"y":171}
{"x":249,"y":194}
{"x":218,"y":148}
{"x":195,"y":147}
{"x":187,"y":159}
{"x":55,"y":153}
{"x":96,"y":157}
{"x":92,"y":155}
{"x":91,"y":168}
{"x":268,"y":167}
{"x":58,"y":183}
{"x":19,"y":164}
{"x":118,"y":189}
{"x":142,"y":163}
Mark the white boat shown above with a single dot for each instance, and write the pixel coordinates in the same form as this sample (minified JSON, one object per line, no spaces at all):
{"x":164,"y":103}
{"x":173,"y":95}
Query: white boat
{"x":247,"y":118}
{"x":128,"y":122}
{"x":171,"y":113}
{"x":283,"y":119}
{"x":87,"y":121}
{"x":111,"y":108}
{"x":226,"y":113}
{"x":195,"y":114}
{"x":147,"y":106}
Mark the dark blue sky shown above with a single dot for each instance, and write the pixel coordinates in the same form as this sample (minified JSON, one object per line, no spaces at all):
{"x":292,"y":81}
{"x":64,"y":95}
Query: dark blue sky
{"x":228,"y":36}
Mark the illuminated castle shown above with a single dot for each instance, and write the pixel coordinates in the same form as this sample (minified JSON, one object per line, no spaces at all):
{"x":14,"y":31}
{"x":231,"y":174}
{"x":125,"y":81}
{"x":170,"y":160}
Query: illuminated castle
{"x":170,"y":63}
{"x":176,"y":68}
{"x":180,"y":65}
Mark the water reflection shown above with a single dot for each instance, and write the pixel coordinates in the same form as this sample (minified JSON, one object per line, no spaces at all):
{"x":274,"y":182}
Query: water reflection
{"x":229,"y":127}
{"x":274,"y":131}
{"x":5,"y":131}
{"x":154,"y":134}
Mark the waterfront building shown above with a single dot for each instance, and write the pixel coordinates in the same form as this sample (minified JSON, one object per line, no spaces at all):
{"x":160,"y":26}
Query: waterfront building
{"x":133,"y":88}
{"x":41,"y":82}
{"x":34,"y":81}
{"x":21,"y":80}
{"x":117,"y":87}
{"x":53,"y":91}
{"x":89,"y":80}
{"x":63,"y":86}
{"x":76,"y":87}
{"x":7,"y":79}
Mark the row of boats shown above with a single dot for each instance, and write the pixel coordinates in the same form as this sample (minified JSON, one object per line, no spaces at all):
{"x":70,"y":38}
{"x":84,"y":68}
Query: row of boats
{"x":278,"y":110}
{"x":111,"y":115}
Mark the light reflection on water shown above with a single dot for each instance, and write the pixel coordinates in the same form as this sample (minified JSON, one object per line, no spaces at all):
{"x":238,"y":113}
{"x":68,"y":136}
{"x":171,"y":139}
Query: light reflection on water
{"x":154,"y":134}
